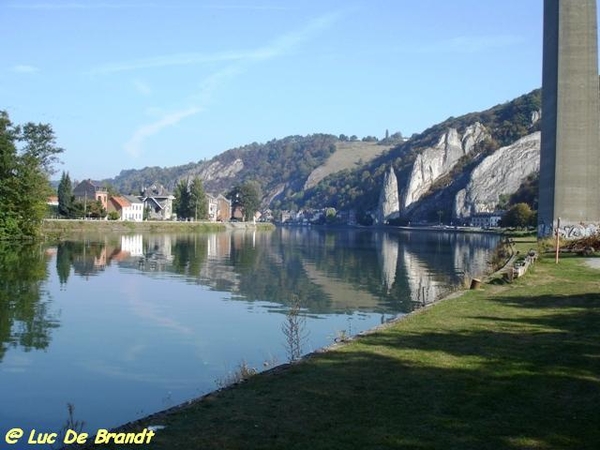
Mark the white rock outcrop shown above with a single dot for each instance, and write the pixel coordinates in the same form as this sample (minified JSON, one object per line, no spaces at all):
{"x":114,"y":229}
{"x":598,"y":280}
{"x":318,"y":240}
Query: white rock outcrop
{"x":217,"y":170}
{"x":500,"y":173}
{"x":389,"y":200}
{"x":435,"y":162}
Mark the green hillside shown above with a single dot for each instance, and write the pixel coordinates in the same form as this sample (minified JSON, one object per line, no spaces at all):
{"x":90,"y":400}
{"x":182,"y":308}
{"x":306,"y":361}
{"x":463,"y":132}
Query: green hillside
{"x":322,"y":170}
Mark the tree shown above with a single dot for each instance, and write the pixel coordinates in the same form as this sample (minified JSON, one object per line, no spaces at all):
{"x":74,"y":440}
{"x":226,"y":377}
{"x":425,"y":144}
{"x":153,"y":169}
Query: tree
{"x":95,"y":209}
{"x":26,"y":157}
{"x":40,"y":144}
{"x":65,"y":196}
{"x":247,"y":197}
{"x":197,"y":200}
{"x":182,"y":199}
{"x":190,"y":200}
{"x":519,"y":215}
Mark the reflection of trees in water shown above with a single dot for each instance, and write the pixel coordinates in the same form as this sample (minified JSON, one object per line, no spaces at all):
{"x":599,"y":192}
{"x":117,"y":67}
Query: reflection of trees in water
{"x":325,"y":270}
{"x":87,"y":257}
{"x":272,"y":271}
{"x":189,"y":255}
{"x":25,"y":316}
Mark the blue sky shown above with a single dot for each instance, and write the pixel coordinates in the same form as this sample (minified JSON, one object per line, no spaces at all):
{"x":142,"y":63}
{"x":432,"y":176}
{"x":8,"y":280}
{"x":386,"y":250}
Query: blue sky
{"x":134,"y":83}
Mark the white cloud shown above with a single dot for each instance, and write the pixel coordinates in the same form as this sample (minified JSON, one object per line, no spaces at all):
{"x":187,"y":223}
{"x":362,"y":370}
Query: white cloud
{"x":277,"y":47}
{"x":122,"y":5}
{"x":134,"y":145}
{"x":142,"y":87}
{"x":24,"y":68}
{"x":78,"y":5}
{"x":468,"y":44}
{"x":237,"y":64}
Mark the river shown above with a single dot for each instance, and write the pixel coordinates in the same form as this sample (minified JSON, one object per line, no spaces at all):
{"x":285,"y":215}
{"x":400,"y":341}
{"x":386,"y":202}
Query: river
{"x":122,"y":326}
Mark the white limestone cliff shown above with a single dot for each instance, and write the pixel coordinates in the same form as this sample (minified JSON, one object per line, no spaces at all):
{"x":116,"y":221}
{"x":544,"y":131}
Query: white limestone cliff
{"x":435,"y":162}
{"x":217,"y":170}
{"x":500,"y":173}
{"x":389,"y":200}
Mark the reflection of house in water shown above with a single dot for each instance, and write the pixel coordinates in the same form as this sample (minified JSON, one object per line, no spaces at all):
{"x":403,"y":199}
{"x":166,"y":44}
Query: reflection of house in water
{"x":91,"y":259}
{"x":219,"y":245}
{"x":158,"y":253}
{"x":133,"y":244}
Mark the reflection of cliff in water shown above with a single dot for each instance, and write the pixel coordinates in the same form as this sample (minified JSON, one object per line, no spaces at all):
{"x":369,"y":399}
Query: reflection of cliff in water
{"x":433,"y":264}
{"x":325,"y":271}
{"x":26,"y":316}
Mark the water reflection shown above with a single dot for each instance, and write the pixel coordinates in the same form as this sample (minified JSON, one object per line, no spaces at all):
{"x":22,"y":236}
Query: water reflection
{"x":150,"y":319}
{"x":26,"y":316}
{"x":325,"y":271}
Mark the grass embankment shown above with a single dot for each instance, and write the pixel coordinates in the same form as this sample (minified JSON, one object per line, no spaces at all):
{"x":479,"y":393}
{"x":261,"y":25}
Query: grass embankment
{"x":58,"y":229}
{"x":514,"y":366}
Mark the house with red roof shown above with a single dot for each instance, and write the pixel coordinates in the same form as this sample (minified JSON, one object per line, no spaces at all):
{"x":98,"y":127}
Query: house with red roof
{"x":128,"y":207}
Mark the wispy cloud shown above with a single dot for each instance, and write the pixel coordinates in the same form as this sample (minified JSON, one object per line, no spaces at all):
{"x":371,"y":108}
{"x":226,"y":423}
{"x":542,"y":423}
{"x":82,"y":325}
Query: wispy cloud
{"x":182,"y":59}
{"x":235,"y":64}
{"x":24,"y":68}
{"x":142,"y":87}
{"x":122,"y":5}
{"x":133,"y":146}
{"x":468,"y":44}
{"x":78,"y":5}
{"x":277,"y":47}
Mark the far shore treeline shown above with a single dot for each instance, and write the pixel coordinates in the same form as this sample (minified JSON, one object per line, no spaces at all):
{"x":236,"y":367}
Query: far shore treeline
{"x":27,"y":155}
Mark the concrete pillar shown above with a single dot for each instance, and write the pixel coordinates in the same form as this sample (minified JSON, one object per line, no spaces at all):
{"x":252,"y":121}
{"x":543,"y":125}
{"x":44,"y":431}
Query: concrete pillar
{"x":570,"y":149}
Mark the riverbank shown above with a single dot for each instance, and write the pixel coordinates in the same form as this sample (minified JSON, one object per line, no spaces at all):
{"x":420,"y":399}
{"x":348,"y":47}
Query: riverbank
{"x":508,"y":366}
{"x":59,"y":228}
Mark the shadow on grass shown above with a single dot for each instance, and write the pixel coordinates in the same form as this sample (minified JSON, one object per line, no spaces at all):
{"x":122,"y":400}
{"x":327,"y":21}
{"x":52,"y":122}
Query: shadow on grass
{"x":514,"y":382}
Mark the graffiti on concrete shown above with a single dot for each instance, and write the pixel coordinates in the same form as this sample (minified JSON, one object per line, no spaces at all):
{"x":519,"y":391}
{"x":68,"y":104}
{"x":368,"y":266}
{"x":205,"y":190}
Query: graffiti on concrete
{"x":576,"y":231}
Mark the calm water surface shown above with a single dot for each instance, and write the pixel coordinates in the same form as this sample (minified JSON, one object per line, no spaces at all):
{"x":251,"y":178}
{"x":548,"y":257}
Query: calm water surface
{"x":124,"y":326}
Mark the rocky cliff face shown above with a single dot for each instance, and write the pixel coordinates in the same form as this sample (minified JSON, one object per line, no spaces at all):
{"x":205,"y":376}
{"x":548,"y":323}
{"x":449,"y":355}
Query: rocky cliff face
{"x":217,"y":170}
{"x":389,"y":207}
{"x":500,"y":173}
{"x":435,"y":162}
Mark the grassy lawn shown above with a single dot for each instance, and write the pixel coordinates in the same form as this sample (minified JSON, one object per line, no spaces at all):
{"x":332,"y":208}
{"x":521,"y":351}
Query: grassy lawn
{"x":513,"y":366}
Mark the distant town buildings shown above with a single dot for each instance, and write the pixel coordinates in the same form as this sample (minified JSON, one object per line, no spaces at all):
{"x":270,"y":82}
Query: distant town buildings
{"x":155,"y":202}
{"x":128,"y":207}
{"x":158,"y":202}
{"x":487,"y":220}
{"x":219,"y":208}
{"x":88,"y":191}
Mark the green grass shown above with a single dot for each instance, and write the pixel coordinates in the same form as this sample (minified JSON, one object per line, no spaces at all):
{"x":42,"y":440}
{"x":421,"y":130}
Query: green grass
{"x":61,"y":229}
{"x":515,"y":366}
{"x":347,"y":156}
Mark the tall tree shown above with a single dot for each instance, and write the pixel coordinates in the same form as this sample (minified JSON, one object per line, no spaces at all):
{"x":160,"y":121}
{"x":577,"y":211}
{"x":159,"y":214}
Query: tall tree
{"x":247,"y":197}
{"x":65,"y":196}
{"x":182,"y":200}
{"x":198,"y":205}
{"x":26,"y":157}
{"x":40,"y":144}
{"x":8,"y":190}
